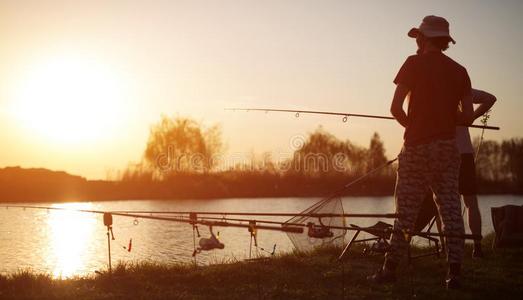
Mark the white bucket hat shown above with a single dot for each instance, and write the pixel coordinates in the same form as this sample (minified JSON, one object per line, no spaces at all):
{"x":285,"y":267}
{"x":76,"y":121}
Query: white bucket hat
{"x":432,"y":26}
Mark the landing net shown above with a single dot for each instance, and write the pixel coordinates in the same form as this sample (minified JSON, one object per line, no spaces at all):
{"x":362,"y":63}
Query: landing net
{"x":304,"y":242}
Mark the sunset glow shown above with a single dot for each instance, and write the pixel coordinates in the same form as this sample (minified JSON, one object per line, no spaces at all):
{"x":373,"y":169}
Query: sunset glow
{"x":95,"y":74}
{"x":246,"y":149}
{"x":68,"y":99}
{"x":70,"y":231}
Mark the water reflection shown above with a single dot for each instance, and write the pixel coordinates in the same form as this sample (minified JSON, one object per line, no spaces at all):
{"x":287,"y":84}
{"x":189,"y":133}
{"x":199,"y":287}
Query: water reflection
{"x":68,"y":243}
{"x":69,"y":234}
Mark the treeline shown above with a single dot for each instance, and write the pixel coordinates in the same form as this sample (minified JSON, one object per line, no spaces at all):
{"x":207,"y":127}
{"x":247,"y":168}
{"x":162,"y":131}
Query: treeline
{"x":179,"y":160}
{"x":499,"y":166}
{"x":186,"y":160}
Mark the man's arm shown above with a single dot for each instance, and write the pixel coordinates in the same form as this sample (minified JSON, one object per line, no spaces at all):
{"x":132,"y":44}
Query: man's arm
{"x":396,"y":108}
{"x":485,"y":101}
{"x":466,"y":114}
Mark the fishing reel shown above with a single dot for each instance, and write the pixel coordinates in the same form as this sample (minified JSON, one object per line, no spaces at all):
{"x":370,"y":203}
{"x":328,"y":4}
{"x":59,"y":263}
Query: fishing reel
{"x":207,"y":244}
{"x":319,"y":231}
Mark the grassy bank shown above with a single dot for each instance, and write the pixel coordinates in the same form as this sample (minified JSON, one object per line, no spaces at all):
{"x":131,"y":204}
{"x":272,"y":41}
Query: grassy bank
{"x":289,"y":276}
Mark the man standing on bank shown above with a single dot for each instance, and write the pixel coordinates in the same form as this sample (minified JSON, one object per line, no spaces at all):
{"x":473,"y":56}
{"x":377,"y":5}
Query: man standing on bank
{"x":429,"y":159}
{"x":467,"y":173}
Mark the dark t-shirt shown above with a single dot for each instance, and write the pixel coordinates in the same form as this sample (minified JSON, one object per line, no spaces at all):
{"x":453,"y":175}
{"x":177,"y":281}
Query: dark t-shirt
{"x":437,"y":84}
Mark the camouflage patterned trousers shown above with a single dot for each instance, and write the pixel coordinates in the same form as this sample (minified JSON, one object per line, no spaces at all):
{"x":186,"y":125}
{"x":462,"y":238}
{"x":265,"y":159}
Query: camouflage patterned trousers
{"x":432,"y":166}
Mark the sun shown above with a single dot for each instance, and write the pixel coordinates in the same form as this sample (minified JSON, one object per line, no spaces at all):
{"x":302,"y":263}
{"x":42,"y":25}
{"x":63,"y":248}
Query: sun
{"x":69,"y":100}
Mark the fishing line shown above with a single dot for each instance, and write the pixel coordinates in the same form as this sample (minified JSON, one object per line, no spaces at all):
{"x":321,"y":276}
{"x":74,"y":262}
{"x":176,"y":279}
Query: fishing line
{"x":362,"y":177}
{"x":194,"y":245}
{"x":484,"y":121}
{"x":267,"y":251}
{"x":193,"y":217}
{"x":129,"y":245}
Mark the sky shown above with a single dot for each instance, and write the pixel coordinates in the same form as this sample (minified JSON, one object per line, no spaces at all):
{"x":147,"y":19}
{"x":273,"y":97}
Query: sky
{"x":81,"y":82}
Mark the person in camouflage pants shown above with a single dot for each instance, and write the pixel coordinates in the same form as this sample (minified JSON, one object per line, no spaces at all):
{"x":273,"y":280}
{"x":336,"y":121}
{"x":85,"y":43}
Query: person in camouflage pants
{"x":432,"y":166}
{"x":439,"y":98}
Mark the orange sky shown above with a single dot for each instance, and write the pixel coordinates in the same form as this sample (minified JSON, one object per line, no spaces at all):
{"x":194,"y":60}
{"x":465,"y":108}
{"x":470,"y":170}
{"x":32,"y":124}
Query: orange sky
{"x":83,"y":80}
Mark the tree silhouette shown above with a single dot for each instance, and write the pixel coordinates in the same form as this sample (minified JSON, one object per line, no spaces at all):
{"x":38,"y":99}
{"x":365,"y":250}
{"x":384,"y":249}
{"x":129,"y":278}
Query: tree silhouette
{"x":490,"y":161}
{"x":376,"y":153}
{"x":513,"y":158}
{"x":323,"y":153}
{"x":180,"y":145}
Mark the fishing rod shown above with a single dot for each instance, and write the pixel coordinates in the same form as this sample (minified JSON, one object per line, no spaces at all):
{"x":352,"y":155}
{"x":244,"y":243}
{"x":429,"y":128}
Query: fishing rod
{"x":316,"y":231}
{"x":345,"y":116}
{"x":355,"y":228}
{"x":191,"y":219}
{"x":226,"y":222}
{"x":205,"y":244}
{"x":313,"y":215}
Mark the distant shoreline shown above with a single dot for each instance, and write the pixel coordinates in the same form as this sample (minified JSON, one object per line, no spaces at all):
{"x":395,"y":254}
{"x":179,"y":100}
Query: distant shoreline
{"x":42,"y":185}
{"x":211,"y":199}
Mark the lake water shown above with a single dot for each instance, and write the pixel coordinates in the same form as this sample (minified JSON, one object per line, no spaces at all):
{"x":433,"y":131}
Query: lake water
{"x":65,"y":243}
